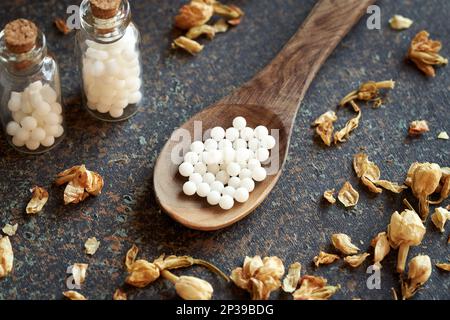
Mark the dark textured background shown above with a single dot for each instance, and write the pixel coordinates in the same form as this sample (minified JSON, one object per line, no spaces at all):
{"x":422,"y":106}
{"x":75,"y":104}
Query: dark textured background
{"x":293,"y":223}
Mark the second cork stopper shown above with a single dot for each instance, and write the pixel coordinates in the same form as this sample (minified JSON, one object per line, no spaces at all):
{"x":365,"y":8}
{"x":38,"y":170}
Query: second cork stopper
{"x":20,"y":36}
{"x":105,"y":9}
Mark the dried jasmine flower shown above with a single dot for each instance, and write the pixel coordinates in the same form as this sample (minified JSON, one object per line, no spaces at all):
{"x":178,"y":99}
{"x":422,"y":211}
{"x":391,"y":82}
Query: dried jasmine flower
{"x":193,"y":14}
{"x":405,"y":230}
{"x":220,"y":26}
{"x":381,"y":248}
{"x":419,"y":271}
{"x":343,"y":134}
{"x":6,"y":257}
{"x":324,"y":126}
{"x":259,"y":276}
{"x":80,"y":184}
{"x":399,"y":22}
{"x":368,"y":91}
{"x":390,"y":186}
{"x":205,"y":29}
{"x":347,"y":195}
{"x":314,"y":288}
{"x":79,"y":272}
{"x":329,"y":196}
{"x":191,"y":46}
{"x":230,"y":12}
{"x":343,"y":243}
{"x":290,"y":282}
{"x":91,"y":245}
{"x":131,"y":257}
{"x":142,"y":273}
{"x":424,"y":53}
{"x":38,"y":200}
{"x":62,"y":26}
{"x":356,"y":260}
{"x":424,"y":178}
{"x":418,"y":127}
{"x":325,"y":258}
{"x":443,"y":135}
{"x":9,"y":229}
{"x":444,"y":186}
{"x":73,"y":295}
{"x":440,"y":217}
{"x":119,"y":295}
{"x":190,"y":288}
{"x":443,"y":266}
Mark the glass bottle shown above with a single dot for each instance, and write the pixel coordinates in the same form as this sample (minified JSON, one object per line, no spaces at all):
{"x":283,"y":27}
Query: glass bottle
{"x":108,"y":51}
{"x":30,"y":89}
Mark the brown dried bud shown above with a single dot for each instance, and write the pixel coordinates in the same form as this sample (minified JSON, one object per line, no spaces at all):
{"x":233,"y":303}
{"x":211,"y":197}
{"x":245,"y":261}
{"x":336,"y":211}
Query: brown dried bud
{"x":324,"y":126}
{"x":6,"y":257}
{"x":314,"y":288}
{"x":119,"y":295}
{"x":198,"y":31}
{"x":418,"y":127}
{"x":343,"y":243}
{"x":191,"y":46}
{"x":194,"y":14}
{"x":73,"y":295}
{"x":398,"y":22}
{"x":190,"y":288}
{"x":347,"y":195}
{"x":38,"y":200}
{"x":142,"y":273}
{"x":325,"y":258}
{"x":419,"y":271}
{"x":440,"y":217}
{"x":329,"y":196}
{"x":356,"y":260}
{"x":290,"y":282}
{"x":381,"y":248}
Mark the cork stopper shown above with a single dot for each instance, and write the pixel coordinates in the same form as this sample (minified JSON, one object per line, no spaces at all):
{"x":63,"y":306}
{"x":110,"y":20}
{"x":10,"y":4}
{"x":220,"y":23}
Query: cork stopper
{"x":104,"y":9}
{"x":20,"y":36}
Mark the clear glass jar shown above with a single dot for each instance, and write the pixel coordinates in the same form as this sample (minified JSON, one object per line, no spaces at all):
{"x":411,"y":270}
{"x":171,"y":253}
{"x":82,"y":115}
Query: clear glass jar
{"x":110,"y":64}
{"x":30,"y":97}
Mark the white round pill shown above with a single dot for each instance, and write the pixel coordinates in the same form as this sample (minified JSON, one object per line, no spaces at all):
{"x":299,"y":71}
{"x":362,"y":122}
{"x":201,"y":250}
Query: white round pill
{"x":56,"y":108}
{"x":253,"y":163}
{"x":262,"y":154}
{"x":233,"y":169}
{"x":226,"y":202}
{"x":17,"y":142}
{"x":197,"y":147}
{"x":261,"y":132}
{"x":234,"y":182}
{"x":12,"y":127}
{"x":48,"y":94}
{"x":224,"y":144}
{"x":245,"y":173}
{"x":241,"y":195}
{"x":38,"y":134}
{"x":191,"y":157}
{"x":232,"y":134}
{"x":213,"y":198}
{"x":213,"y":168}
{"x":203,"y":189}
{"x":135,"y":97}
{"x":239,"y":144}
{"x":214,"y":157}
{"x":229,"y":190}
{"x":268,"y":142}
{"x":210,"y":144}
{"x":51,"y":118}
{"x":14,"y":103}
{"x":217,"y":186}
{"x":189,"y":188}
{"x":247,"y":133}
{"x":229,"y":155}
{"x":259,"y":174}
{"x":239,"y":123}
{"x":196,"y":178}
{"x":253,"y":144}
{"x":59,"y":131}
{"x":97,"y":69}
{"x":209,"y":178}
{"x":48,"y":141}
{"x":43,"y":108}
{"x":28,"y":123}
{"x":217,"y":133}
{"x":248,"y":184}
{"x":32,"y":145}
{"x":18,"y":115}
{"x":242,"y":154}
{"x":116,"y":112}
{"x":200,"y":168}
{"x":186,"y":169}
{"x":222,"y":176}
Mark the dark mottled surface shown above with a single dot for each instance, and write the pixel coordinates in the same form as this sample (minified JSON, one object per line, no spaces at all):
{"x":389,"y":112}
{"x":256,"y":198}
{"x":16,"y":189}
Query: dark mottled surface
{"x":293,"y":222}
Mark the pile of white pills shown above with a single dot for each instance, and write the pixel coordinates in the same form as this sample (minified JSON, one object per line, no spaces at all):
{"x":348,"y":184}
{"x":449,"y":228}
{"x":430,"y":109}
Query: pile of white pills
{"x":224,"y":168}
{"x":111,"y":75}
{"x":37,"y":117}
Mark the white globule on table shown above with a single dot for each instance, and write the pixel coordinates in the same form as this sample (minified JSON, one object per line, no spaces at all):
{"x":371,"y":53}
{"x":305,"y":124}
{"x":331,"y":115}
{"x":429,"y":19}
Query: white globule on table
{"x":112,"y":75}
{"x":37,"y":117}
{"x":223,"y":169}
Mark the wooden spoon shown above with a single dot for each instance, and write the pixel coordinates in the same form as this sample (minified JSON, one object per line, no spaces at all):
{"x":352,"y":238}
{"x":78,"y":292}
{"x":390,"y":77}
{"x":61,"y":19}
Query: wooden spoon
{"x":272,"y":99}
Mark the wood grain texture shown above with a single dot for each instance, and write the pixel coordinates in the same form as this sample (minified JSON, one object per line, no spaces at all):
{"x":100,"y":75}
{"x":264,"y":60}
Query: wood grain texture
{"x":271,"y":99}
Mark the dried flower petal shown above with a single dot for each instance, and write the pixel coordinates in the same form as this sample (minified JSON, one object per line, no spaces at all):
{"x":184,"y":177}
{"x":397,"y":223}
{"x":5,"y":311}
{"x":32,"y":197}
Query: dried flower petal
{"x":73,"y":295}
{"x":419,"y":271}
{"x":220,"y":26}
{"x":325,"y":258}
{"x":119,"y":295}
{"x":391,"y":186}
{"x":79,"y":272}
{"x":381,"y":248}
{"x":194,"y":14}
{"x":343,"y":243}
{"x":142,"y":273}
{"x":440,"y":217}
{"x":367,"y":171}
{"x":343,"y":134}
{"x":229,"y":12}
{"x":6,"y":257}
{"x":62,"y":26}
{"x":329,"y":196}
{"x":399,"y":22}
{"x":443,"y":266}
{"x":356,"y":260}
{"x":347,"y":195}
{"x":290,"y":282}
{"x":443,"y":135}
{"x":368,"y":91}
{"x":444,"y":186}
{"x":38,"y":200}
{"x":424,"y":53}
{"x":324,"y":126}
{"x":314,"y":288}
{"x":91,"y":245}
{"x":191,"y":46}
{"x":10,"y":230}
{"x":131,"y":257}
{"x":405,"y":230}
{"x":198,"y":31}
{"x":418,"y":127}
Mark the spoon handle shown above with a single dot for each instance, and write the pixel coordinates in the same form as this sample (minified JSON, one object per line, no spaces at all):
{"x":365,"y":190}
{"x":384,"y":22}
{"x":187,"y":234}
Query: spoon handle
{"x":282,"y":85}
